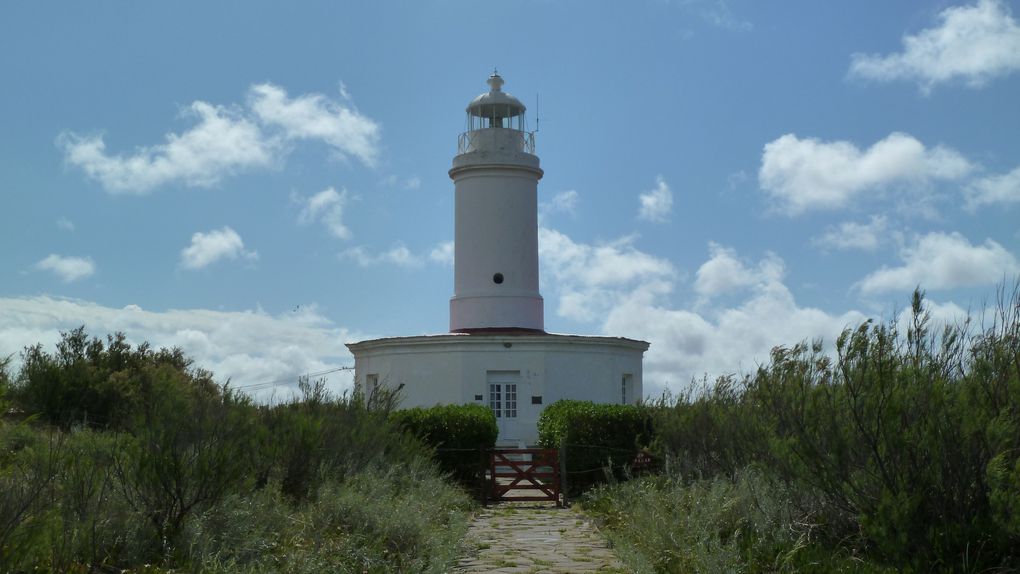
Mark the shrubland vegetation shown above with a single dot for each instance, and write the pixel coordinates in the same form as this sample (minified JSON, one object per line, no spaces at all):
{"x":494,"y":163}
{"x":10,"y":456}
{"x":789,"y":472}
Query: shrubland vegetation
{"x":117,"y":458}
{"x":899,"y":453}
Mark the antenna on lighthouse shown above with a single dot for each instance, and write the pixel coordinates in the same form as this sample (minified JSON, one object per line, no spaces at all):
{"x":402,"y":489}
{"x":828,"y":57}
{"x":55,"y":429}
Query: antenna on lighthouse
{"x":538,"y":117}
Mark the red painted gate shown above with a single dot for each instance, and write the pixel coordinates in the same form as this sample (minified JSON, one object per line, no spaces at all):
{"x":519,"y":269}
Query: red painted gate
{"x":524,"y":474}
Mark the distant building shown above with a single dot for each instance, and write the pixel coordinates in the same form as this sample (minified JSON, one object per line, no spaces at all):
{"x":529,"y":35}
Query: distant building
{"x":497,"y":352}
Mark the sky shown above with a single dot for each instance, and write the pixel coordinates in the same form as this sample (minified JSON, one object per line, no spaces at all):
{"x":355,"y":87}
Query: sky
{"x":261,"y":182}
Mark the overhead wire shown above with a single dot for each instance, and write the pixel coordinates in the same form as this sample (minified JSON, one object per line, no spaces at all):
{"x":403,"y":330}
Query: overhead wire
{"x":270,"y":383}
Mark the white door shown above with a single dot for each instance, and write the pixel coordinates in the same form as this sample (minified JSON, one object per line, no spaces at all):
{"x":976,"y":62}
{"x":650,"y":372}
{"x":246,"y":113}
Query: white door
{"x":503,"y":401}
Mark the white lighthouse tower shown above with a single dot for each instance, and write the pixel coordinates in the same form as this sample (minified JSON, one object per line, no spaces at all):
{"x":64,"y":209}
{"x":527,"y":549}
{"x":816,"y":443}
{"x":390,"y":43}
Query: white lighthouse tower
{"x":496,"y":175}
{"x":497,"y":352}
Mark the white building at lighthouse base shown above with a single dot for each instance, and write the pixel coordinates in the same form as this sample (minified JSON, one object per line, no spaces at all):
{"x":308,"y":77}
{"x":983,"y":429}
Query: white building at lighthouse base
{"x":514,"y":373}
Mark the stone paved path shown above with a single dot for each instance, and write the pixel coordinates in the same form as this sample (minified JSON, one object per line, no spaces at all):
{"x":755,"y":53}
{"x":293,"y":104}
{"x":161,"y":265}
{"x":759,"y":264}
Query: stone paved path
{"x":535,"y":539}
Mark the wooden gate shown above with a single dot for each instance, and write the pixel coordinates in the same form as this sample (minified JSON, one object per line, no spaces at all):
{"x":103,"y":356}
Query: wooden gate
{"x":524,"y":474}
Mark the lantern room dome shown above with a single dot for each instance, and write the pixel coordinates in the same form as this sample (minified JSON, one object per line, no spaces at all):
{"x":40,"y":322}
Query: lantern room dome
{"x":495,"y":103}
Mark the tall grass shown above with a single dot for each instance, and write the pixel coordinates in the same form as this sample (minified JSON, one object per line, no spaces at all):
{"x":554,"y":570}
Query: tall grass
{"x":743,"y":523}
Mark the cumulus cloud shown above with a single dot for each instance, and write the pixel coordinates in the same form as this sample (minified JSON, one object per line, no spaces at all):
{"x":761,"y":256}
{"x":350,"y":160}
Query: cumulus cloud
{"x":623,"y":291}
{"x":398,"y":255}
{"x":562,"y":202}
{"x":851,"y":235}
{"x":221,"y":143}
{"x":207,"y":248}
{"x":994,"y":190}
{"x":974,"y":43}
{"x":943,"y":261}
{"x":724,"y":272}
{"x":67,"y":268}
{"x":226,"y":140}
{"x":247,"y":347}
{"x":587,"y":279}
{"x":809,"y":174}
{"x":656,"y":203}
{"x":316,"y":117}
{"x":443,"y":253}
{"x":327,"y":207}
{"x":65,"y":224}
{"x":725,"y":340}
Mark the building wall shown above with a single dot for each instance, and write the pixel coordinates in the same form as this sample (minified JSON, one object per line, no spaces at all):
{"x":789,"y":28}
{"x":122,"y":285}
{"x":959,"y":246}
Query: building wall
{"x":452,"y":369}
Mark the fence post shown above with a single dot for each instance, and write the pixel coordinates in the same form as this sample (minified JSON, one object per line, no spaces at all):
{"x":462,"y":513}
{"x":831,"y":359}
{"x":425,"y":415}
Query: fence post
{"x":483,"y":465}
{"x":563,"y":469}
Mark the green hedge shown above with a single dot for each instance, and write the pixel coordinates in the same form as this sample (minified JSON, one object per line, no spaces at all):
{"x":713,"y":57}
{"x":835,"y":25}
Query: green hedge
{"x":598,"y":437}
{"x":457,"y":432}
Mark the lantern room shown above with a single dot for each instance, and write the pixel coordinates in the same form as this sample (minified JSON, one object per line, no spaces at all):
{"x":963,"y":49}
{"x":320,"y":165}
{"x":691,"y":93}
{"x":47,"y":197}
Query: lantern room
{"x":496,"y":109}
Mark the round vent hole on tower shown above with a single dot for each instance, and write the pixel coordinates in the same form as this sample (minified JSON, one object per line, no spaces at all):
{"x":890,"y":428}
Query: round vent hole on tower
{"x":497,"y":278}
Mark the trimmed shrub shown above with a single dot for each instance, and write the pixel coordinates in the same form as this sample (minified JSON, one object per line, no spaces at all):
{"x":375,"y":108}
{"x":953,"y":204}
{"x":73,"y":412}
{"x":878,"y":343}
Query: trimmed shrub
{"x":601,"y":440}
{"x":458,"y":433}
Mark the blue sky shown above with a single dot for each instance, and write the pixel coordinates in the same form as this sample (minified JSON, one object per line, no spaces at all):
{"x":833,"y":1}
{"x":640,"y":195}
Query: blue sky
{"x":260,"y":182}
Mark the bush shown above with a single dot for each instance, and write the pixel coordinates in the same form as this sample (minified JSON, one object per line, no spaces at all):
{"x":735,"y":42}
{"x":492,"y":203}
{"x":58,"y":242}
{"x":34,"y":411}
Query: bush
{"x":89,"y":383}
{"x":458,"y":433}
{"x":189,"y":450}
{"x":191,"y":476}
{"x":319,"y":435}
{"x":909,"y":437}
{"x":600,"y":440}
{"x":5,"y":384}
{"x":707,"y":431}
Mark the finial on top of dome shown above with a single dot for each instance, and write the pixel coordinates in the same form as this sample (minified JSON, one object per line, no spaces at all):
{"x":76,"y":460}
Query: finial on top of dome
{"x":495,"y":81}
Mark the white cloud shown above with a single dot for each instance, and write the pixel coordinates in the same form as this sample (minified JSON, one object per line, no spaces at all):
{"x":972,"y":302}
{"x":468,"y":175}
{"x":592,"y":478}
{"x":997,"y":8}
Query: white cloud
{"x":717,"y":13}
{"x":809,"y":174}
{"x":65,"y":224}
{"x":562,"y":202}
{"x":326,"y":206}
{"x":974,"y":43}
{"x":623,"y":291}
{"x":316,"y":117}
{"x":207,"y":248}
{"x":588,"y":279}
{"x":657,"y":203}
{"x":724,"y":340}
{"x":223,"y":142}
{"x":228,"y":140}
{"x":398,"y":255}
{"x":443,"y":253}
{"x":246,"y":347}
{"x":943,"y":261}
{"x":993,"y":190}
{"x":724,"y":272}
{"x":852,"y":235}
{"x":68,"y":268}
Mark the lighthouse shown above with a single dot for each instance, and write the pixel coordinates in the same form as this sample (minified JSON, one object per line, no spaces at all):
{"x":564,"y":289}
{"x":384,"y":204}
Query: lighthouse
{"x":497,"y":352}
{"x":495,"y":175}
